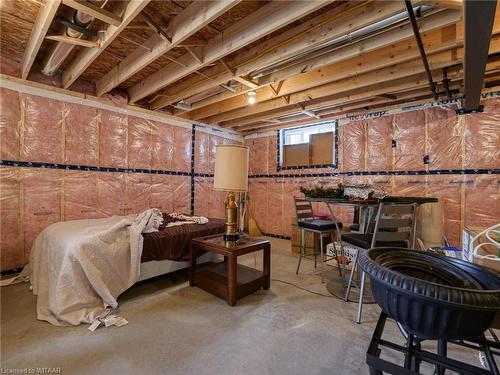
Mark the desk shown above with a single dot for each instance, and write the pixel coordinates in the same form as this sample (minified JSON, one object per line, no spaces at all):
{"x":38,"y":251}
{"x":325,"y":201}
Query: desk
{"x":366,"y":209}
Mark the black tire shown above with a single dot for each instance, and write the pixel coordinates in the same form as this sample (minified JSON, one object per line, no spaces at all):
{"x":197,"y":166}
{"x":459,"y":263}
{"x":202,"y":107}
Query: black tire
{"x":432,"y":296}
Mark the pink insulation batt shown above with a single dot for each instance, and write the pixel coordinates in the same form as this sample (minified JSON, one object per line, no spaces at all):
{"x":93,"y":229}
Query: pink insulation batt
{"x":451,"y":141}
{"x":113,"y":134}
{"x":42,"y":129}
{"x":9,"y":124}
{"x":38,"y":129}
{"x":80,"y":134}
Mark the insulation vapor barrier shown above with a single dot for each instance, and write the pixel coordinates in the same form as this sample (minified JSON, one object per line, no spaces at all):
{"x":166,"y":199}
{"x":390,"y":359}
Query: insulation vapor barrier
{"x":425,"y":140}
{"x":208,"y":202}
{"x":41,"y":130}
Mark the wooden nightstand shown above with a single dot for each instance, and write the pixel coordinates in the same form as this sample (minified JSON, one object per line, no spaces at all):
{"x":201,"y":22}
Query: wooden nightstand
{"x":228,"y":279}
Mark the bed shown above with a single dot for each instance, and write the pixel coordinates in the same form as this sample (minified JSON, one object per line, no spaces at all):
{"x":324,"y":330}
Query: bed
{"x":78,"y":268}
{"x":167,"y":250}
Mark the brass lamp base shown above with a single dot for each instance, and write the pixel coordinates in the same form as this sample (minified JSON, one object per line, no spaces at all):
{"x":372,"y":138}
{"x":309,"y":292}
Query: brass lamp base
{"x":231,"y":224}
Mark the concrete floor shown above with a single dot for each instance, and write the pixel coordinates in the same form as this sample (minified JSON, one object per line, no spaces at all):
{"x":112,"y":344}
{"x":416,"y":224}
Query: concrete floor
{"x":176,"y":329}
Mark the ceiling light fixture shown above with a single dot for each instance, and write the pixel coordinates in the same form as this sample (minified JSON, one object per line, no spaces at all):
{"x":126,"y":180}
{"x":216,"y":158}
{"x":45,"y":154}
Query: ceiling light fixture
{"x":251,"y":97}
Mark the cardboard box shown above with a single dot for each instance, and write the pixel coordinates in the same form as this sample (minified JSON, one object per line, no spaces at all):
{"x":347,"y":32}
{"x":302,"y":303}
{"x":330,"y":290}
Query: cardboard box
{"x":321,"y":148}
{"x":295,"y":155}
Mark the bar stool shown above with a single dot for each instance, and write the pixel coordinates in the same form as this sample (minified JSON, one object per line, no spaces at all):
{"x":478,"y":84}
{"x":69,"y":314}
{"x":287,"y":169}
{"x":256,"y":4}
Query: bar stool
{"x":307,"y":223}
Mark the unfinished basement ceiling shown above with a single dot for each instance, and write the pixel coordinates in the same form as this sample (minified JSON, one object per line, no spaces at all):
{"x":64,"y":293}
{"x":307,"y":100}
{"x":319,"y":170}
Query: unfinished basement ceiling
{"x":305,"y":61}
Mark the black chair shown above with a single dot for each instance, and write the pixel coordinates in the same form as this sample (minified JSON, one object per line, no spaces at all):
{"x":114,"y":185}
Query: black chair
{"x":393,"y":226}
{"x":307,"y":223}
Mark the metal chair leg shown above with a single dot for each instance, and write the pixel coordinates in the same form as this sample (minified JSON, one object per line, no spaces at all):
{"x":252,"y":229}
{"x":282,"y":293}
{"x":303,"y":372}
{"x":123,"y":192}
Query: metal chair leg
{"x":337,"y":257}
{"x":302,"y":249}
{"x":351,"y":276}
{"x":361,"y":291}
{"x":342,"y":252}
{"x":321,"y":257}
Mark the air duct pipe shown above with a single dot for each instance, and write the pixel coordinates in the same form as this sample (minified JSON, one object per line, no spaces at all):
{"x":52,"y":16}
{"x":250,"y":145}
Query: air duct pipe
{"x":60,"y":51}
{"x":346,"y":38}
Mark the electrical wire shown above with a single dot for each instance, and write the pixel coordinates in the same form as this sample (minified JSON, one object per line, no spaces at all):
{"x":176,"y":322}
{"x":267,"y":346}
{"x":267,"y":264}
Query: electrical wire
{"x":292,"y":284}
{"x":301,"y":288}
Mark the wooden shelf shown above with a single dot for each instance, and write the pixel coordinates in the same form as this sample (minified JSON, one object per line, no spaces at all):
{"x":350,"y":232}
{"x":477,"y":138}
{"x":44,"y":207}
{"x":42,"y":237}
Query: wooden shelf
{"x":213,"y":277}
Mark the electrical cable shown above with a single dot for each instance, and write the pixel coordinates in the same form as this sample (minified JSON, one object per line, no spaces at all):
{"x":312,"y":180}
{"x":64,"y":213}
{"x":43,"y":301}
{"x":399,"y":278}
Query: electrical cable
{"x":301,"y":288}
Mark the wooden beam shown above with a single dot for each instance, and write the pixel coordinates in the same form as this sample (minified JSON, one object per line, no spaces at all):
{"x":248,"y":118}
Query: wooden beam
{"x":356,"y":93}
{"x":360,"y":106}
{"x":246,"y":82}
{"x":128,"y":11}
{"x":322,"y":28}
{"x":192,"y":19}
{"x":479,"y":16}
{"x":74,"y":41}
{"x":449,"y":4}
{"x":340,"y":110}
{"x":265,"y":125}
{"x":154,"y":26}
{"x":386,"y":48}
{"x":357,"y":67}
{"x":94,"y":11}
{"x":403,"y":89}
{"x":43,"y":20}
{"x":192,"y":52}
{"x":437,"y":61}
{"x":262,"y":22}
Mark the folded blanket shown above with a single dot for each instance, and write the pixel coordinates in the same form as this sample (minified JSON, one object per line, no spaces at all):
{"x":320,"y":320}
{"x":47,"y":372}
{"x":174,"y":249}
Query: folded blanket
{"x":194,"y":219}
{"x":79,"y":268}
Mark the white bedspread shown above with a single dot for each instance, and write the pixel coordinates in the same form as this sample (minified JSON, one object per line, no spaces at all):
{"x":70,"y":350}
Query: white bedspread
{"x":79,"y":268}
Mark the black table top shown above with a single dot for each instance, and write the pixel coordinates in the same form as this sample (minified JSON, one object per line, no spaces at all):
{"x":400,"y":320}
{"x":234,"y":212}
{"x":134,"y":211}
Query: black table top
{"x":390,"y":199}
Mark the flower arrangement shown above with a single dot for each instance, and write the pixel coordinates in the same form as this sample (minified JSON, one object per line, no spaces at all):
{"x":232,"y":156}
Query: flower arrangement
{"x":323,"y":192}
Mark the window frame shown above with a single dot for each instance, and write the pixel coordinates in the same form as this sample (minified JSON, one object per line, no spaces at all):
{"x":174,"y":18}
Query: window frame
{"x":280,"y":137}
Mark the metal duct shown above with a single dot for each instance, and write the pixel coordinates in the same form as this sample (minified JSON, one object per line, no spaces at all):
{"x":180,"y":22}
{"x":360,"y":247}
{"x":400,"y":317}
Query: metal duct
{"x":60,"y":51}
{"x":346,"y":38}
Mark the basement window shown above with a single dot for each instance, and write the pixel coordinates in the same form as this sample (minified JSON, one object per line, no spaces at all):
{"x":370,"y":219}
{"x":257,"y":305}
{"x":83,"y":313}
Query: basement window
{"x":311,"y":146}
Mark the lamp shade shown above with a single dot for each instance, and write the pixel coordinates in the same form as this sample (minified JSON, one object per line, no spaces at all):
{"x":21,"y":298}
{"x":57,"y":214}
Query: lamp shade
{"x":231,"y":168}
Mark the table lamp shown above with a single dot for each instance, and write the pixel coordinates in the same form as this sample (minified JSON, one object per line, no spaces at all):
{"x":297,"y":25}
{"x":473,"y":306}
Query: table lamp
{"x":231,"y":175}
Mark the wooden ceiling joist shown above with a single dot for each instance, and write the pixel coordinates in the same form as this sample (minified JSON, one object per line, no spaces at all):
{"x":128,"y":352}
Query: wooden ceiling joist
{"x":192,"y":19}
{"x":404,"y":90}
{"x":300,"y":69}
{"x":449,"y":4}
{"x":340,"y":72}
{"x":436,"y":61}
{"x":354,"y":93}
{"x":378,"y":59}
{"x":264,"y":21}
{"x":356,"y":104}
{"x":127,"y":10}
{"x":94,"y":11}
{"x":247,"y":82}
{"x":40,"y":28}
{"x":75,"y":41}
{"x":321,"y":29}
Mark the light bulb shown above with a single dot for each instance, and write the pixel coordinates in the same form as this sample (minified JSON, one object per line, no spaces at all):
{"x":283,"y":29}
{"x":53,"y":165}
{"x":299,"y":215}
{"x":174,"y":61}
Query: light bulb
{"x":251,"y":100}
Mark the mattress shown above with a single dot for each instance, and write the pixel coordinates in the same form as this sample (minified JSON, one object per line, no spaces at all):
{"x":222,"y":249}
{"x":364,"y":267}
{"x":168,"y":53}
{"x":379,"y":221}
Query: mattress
{"x":173,"y":242}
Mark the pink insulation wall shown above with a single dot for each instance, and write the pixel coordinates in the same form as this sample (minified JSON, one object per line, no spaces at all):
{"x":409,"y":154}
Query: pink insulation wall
{"x":207,"y":201}
{"x":42,"y":130}
{"x":451,"y":141}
